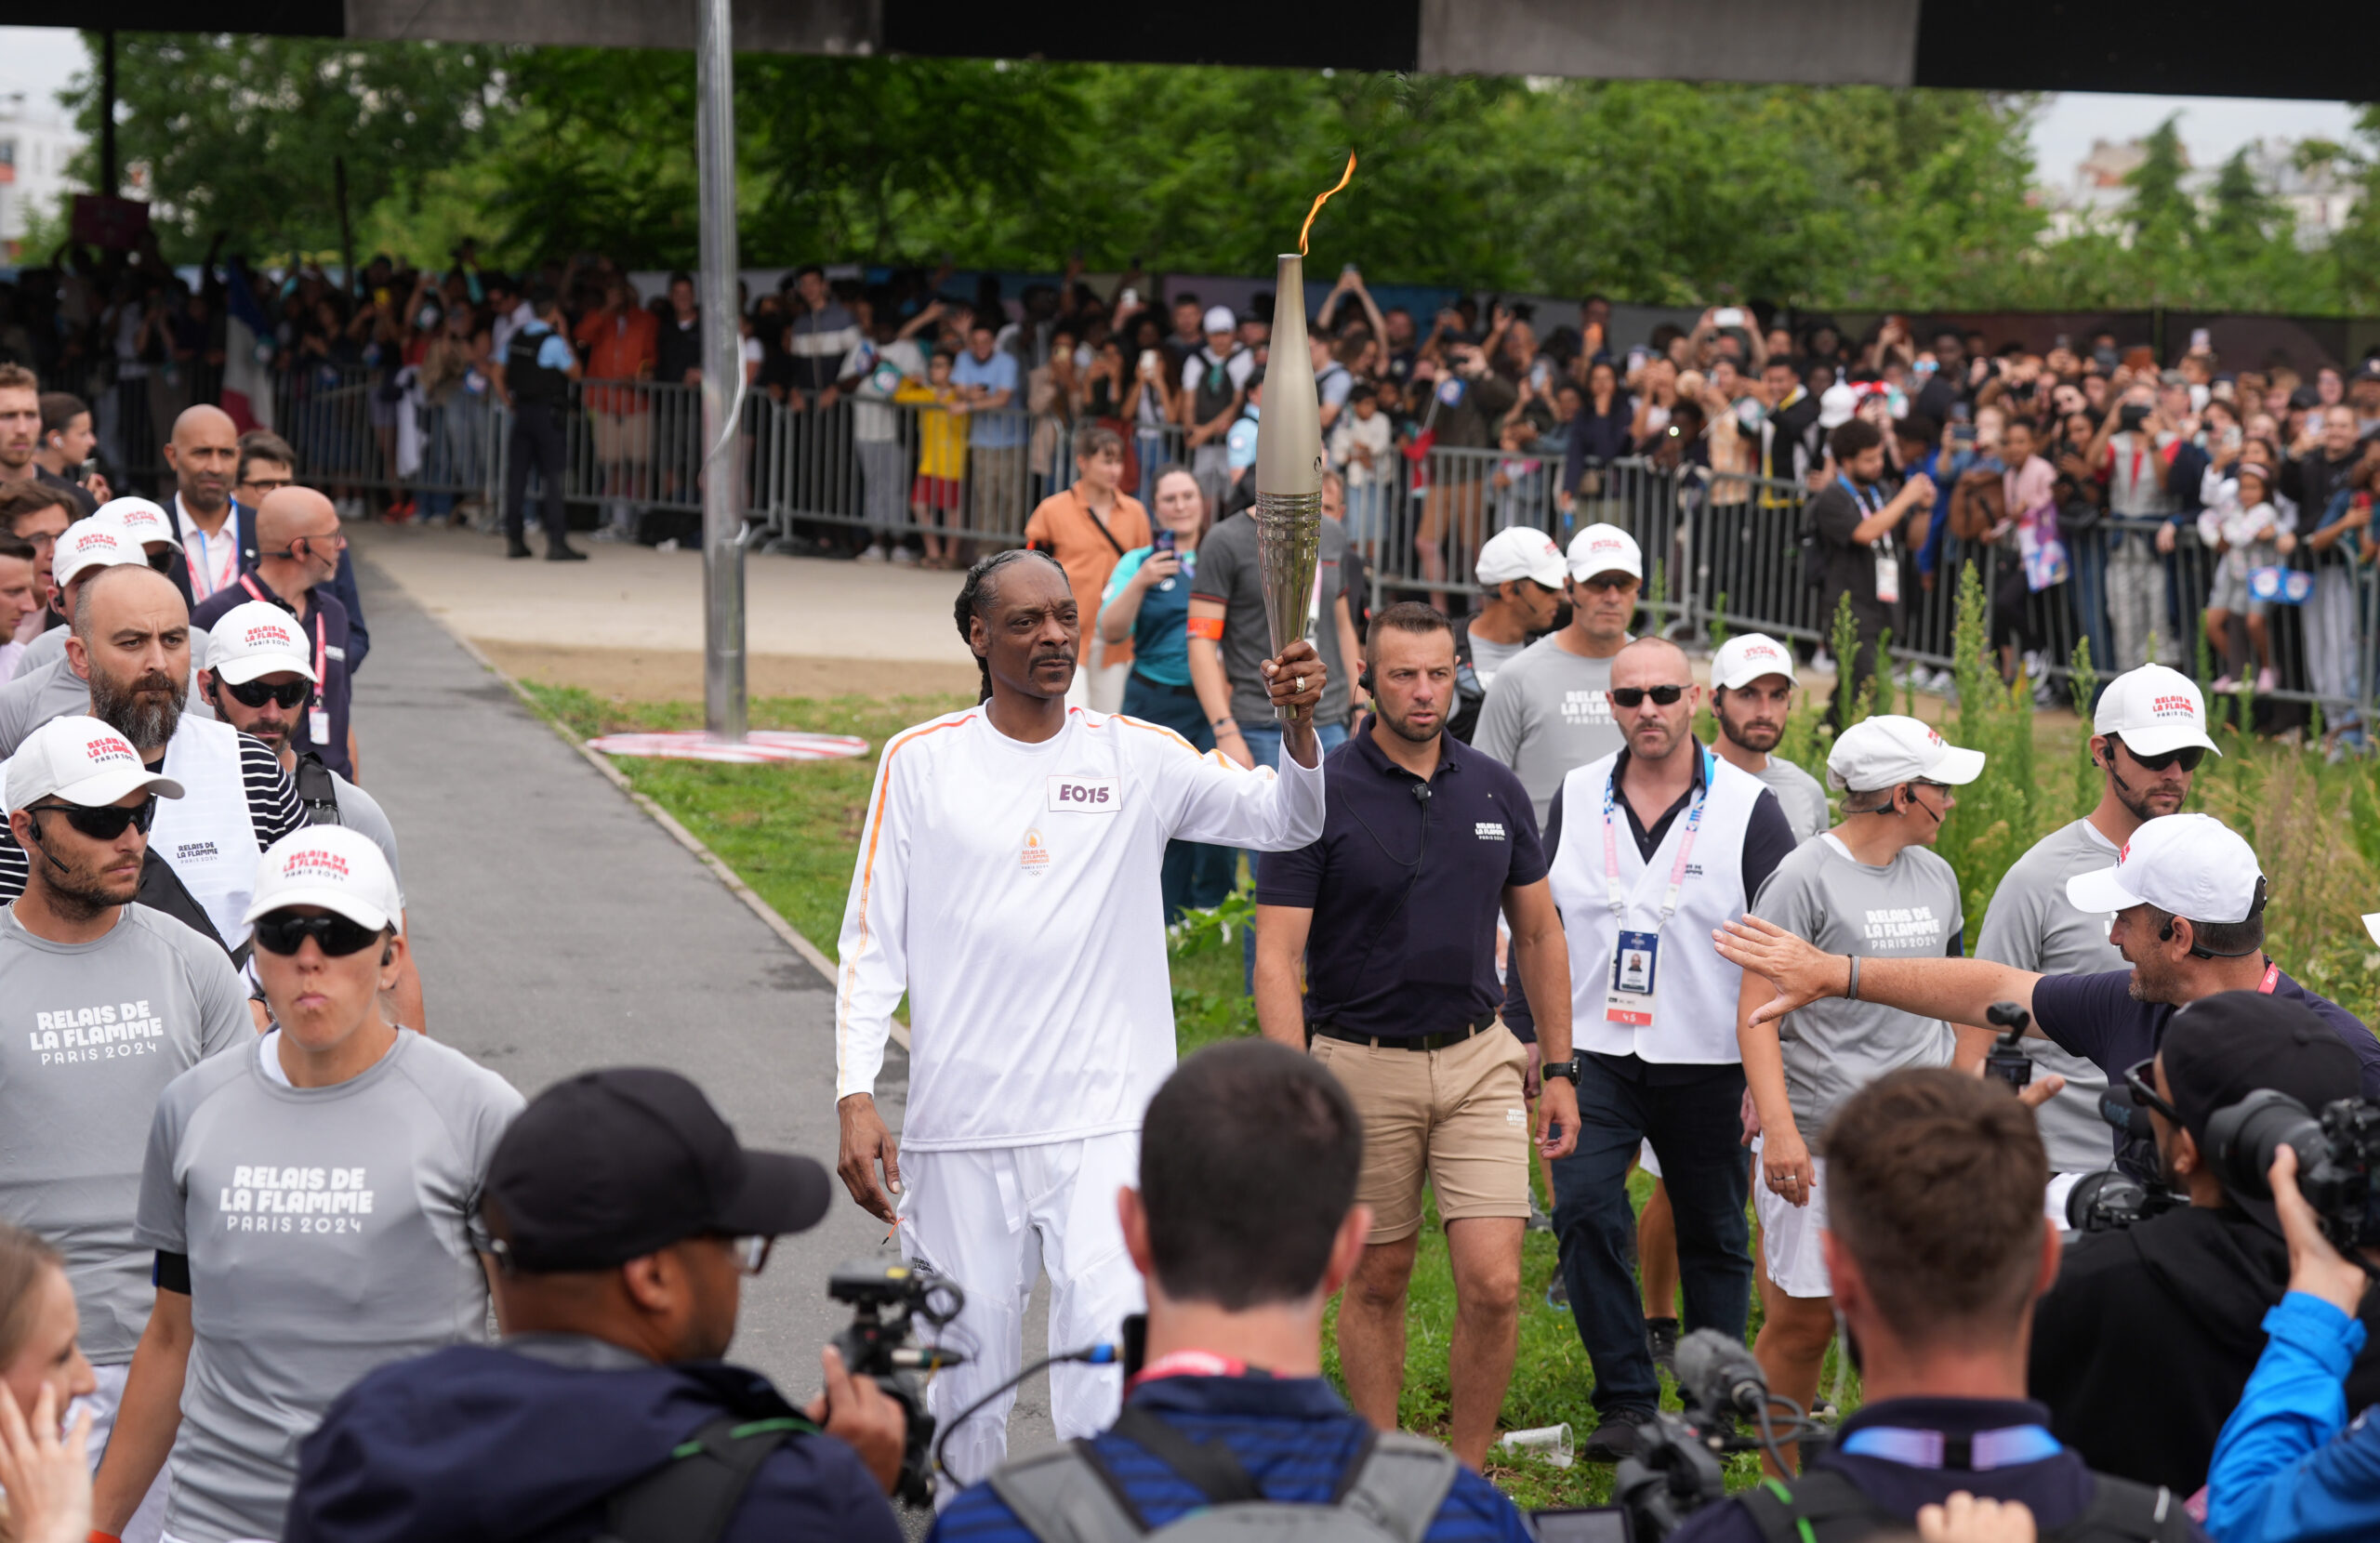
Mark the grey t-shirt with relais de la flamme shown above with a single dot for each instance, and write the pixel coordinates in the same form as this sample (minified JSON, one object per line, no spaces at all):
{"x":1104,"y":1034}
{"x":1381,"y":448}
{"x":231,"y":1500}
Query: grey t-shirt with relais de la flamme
{"x":2032,"y":925}
{"x":329,"y":1231}
{"x":1909,"y":908}
{"x":1548,"y":713}
{"x":90,"y":1035}
{"x":1800,"y":795}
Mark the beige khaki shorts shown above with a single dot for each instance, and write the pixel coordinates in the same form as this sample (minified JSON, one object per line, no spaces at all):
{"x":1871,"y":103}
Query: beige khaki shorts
{"x":1453,"y":1117}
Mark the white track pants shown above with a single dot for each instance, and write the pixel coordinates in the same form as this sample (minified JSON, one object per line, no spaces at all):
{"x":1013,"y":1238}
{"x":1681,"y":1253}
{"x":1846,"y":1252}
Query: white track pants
{"x":992,"y":1220}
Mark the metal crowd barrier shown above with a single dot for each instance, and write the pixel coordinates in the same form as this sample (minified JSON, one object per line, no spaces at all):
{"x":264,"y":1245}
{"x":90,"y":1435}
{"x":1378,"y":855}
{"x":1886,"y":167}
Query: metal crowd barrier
{"x":1730,"y":549}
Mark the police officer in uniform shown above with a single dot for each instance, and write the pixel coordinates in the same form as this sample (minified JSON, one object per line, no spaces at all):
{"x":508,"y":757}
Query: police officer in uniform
{"x":539,"y":368}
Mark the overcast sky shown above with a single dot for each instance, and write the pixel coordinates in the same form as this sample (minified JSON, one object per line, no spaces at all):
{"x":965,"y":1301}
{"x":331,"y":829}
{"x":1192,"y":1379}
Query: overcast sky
{"x":37,"y":60}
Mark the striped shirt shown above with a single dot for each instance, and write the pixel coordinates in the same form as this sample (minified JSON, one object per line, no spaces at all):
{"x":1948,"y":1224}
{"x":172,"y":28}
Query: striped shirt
{"x":274,"y":809}
{"x":1294,"y":1437}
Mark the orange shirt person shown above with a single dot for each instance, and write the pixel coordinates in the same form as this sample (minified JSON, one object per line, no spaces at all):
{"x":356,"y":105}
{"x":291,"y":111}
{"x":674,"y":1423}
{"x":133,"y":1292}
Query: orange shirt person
{"x":1089,"y":528}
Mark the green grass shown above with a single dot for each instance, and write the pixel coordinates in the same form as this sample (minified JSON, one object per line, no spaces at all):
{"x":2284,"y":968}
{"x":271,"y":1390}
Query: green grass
{"x":792,"y":832}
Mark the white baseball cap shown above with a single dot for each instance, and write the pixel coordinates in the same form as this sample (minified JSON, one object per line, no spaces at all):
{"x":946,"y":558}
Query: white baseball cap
{"x":256,"y":638}
{"x":83,"y":761}
{"x":2192,"y":865}
{"x":1604,"y":549}
{"x":1520,"y":553}
{"x":93,"y":543}
{"x":2154,"y":710}
{"x":1750,"y":656}
{"x":1837,"y":404}
{"x":142,"y":520}
{"x":1888,"y":751}
{"x":336,"y":867}
{"x":1220,"y":319}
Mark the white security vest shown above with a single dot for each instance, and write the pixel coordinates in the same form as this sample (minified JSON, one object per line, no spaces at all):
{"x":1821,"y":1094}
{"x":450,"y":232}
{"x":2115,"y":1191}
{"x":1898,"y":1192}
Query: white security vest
{"x":1695,"y":990}
{"x":207,"y":835}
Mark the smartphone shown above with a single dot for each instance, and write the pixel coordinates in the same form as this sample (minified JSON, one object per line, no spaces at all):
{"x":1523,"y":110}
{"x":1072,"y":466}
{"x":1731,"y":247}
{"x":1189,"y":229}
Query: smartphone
{"x":87,"y":470}
{"x":1962,"y":434}
{"x":1150,"y":363}
{"x":1727,"y":316}
{"x":1162,"y":541}
{"x":2202,"y":340}
{"x":1587,"y":1524}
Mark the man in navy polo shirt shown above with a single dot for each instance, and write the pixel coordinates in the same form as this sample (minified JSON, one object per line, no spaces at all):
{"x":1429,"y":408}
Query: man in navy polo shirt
{"x":2187,"y":900}
{"x":1391,"y":917}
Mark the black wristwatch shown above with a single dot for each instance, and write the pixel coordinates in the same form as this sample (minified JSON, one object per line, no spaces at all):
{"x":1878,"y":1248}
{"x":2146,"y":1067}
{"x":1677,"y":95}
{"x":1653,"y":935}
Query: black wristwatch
{"x":1561,"y":1069}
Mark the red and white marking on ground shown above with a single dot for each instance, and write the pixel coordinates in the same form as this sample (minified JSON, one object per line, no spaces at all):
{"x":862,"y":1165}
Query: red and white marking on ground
{"x":759,"y":747}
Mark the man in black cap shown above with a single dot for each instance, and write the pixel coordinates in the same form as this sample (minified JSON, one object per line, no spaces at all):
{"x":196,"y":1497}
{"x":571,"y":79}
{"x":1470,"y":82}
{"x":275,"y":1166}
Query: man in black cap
{"x":622,"y":1214}
{"x":2142,"y":1347}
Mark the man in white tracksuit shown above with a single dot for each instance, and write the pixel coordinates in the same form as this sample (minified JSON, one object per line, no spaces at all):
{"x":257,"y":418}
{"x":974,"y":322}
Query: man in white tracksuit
{"x":1006,"y":881}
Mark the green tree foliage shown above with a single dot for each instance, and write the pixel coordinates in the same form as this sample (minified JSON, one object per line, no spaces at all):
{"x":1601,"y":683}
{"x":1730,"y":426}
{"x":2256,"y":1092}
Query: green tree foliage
{"x":1648,"y":190}
{"x":239,"y":133}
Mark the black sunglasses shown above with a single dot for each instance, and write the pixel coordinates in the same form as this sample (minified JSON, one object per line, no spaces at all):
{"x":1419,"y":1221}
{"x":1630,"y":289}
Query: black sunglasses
{"x":1634,"y":696}
{"x":284,"y":932}
{"x":1606,"y":582}
{"x":106,"y":823}
{"x":255,"y":693}
{"x":2188,"y":756}
{"x":2136,"y":1082}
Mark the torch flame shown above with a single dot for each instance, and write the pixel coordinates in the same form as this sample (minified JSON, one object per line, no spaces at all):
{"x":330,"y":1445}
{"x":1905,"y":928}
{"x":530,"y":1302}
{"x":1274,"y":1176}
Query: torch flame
{"x":1344,"y":178}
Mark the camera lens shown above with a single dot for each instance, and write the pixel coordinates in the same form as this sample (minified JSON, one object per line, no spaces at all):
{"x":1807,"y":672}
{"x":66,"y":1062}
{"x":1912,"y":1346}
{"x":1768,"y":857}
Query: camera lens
{"x":2247,"y":1136}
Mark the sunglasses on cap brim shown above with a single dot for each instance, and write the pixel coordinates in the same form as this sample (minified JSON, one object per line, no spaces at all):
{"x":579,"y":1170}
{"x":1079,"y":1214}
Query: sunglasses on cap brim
{"x":1634,"y":696}
{"x":105,"y":823}
{"x":2188,"y":756}
{"x":284,"y":932}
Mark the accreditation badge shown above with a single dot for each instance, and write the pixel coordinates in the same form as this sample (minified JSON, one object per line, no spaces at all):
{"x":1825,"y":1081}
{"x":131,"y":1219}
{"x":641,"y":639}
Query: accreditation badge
{"x":1636,"y":962}
{"x":318,"y":724}
{"x":1888,"y":578}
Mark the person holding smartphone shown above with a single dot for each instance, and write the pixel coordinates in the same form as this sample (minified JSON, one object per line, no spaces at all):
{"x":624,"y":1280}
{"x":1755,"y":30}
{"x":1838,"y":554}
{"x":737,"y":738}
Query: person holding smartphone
{"x":1146,"y":602}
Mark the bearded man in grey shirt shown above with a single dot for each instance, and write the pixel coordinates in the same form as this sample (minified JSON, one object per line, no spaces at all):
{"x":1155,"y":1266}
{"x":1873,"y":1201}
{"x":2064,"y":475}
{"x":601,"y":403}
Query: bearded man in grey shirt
{"x":102,"y":1005}
{"x":1547,"y":711}
{"x":2148,"y":737}
{"x":311,"y":1205}
{"x":1751,"y":692}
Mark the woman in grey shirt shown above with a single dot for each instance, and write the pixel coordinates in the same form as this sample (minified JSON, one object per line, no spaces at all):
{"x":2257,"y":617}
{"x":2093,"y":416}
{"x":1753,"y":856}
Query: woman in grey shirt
{"x":309,"y":1202}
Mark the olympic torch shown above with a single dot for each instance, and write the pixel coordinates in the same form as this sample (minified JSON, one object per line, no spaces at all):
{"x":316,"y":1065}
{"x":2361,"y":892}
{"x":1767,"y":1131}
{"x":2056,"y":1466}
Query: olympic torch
{"x":1288,"y":459}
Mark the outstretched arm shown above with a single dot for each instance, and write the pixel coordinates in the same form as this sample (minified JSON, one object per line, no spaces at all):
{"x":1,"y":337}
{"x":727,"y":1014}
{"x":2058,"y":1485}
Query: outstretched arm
{"x":1959,"y":990}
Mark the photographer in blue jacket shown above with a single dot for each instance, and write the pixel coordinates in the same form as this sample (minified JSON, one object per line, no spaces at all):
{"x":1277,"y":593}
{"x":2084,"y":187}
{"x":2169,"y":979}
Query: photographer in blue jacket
{"x":2288,"y":1466}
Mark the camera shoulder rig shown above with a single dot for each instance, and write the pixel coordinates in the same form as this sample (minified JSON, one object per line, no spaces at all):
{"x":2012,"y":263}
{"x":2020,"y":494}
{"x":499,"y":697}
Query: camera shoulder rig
{"x":1824,"y":1506}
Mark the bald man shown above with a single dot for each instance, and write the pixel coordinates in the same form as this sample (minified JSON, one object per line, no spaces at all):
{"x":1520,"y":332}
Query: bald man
{"x":298,"y":551}
{"x":131,"y":644}
{"x":205,"y":455}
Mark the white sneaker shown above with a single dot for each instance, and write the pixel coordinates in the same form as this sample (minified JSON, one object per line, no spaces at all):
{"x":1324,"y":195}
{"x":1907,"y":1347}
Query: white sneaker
{"x":870,"y":554}
{"x":904,"y":558}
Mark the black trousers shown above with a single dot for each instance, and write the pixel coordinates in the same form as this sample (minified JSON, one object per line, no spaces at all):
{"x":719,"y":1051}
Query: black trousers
{"x":537,"y":440}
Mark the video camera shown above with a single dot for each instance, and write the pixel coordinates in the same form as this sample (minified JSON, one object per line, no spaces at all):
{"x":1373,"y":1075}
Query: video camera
{"x":1682,"y":1465}
{"x":2335,"y":1156}
{"x":889,"y":1298}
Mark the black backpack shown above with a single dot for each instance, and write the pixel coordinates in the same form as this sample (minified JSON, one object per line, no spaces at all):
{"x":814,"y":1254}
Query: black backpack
{"x":692,"y":1498}
{"x":1824,"y":1506}
{"x":317,"y":791}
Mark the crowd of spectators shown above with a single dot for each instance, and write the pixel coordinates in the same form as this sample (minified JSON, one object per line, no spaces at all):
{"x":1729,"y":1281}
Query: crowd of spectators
{"x":912,"y":407}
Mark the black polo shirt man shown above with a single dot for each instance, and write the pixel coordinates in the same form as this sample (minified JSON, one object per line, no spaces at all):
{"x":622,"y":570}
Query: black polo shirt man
{"x":1391,"y":918}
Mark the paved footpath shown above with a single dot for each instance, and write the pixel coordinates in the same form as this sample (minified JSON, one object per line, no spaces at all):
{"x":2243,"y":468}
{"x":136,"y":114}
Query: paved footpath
{"x":559,"y":928}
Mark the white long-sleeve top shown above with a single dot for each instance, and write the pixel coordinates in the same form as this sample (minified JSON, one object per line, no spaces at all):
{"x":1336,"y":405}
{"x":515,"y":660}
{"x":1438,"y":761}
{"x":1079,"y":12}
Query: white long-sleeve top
{"x":1011,"y":891}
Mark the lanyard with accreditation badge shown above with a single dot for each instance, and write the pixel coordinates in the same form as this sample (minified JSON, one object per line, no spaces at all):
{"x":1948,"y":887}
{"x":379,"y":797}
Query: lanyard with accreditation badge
{"x":318,"y":713}
{"x":1887,"y":557}
{"x":1635,"y":957}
